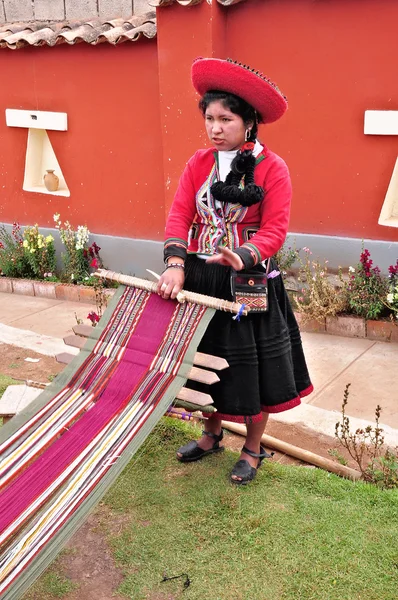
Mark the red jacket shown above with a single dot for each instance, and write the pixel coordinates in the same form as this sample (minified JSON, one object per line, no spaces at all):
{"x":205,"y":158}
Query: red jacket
{"x":197,"y":224}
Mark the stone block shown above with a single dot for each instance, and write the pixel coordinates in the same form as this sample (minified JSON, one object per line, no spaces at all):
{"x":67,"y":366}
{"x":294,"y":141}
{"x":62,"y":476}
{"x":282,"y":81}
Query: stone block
{"x":64,"y":358}
{"x":115,"y":8}
{"x":16,"y":398}
{"x":81,"y":9}
{"x":49,"y":10}
{"x":45,"y":289}
{"x":310,"y":325}
{"x":394,"y":333}
{"x":23,"y":287}
{"x":76,"y":341}
{"x":346,"y":326}
{"x":87,"y":294}
{"x":18,"y":10}
{"x":67,"y":292}
{"x":5,"y":285}
{"x":380,"y":330}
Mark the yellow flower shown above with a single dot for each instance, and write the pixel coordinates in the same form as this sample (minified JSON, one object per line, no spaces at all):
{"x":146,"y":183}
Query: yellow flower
{"x":32,"y":250}
{"x":25,"y":243}
{"x":49,"y":239}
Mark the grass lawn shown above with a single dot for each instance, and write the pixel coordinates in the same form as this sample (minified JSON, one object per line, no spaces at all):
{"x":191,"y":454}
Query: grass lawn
{"x":294,"y":534}
{"x":5,"y":381}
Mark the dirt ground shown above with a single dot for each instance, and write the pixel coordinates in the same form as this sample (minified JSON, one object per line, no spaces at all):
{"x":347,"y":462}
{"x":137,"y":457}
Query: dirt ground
{"x":87,"y":561}
{"x":13,"y":364}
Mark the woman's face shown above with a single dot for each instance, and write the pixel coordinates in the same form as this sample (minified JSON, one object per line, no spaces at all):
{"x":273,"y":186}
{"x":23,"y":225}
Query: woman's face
{"x":225,"y":129}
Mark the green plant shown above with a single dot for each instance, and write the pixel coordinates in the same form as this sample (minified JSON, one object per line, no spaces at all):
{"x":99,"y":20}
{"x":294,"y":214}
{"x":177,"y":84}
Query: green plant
{"x":78,"y":257}
{"x":101,"y":301}
{"x":5,"y":381}
{"x":377,"y":464}
{"x":392,"y":296}
{"x":339,"y":457}
{"x":286,"y":257}
{"x":367,"y":289}
{"x":318,"y":297}
{"x":75,"y":259}
{"x":13,"y":258}
{"x":40,"y":252}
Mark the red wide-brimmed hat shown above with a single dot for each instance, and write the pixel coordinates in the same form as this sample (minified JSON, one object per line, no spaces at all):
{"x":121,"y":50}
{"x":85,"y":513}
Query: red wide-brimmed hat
{"x":229,"y":76}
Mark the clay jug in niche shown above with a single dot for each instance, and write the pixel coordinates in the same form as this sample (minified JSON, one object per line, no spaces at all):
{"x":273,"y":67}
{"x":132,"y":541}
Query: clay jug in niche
{"x":51,"y":181}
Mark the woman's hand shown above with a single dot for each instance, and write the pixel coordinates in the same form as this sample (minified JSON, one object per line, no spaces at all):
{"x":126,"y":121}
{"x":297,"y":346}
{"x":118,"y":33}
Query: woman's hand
{"x":227,"y":258}
{"x":170,"y":283}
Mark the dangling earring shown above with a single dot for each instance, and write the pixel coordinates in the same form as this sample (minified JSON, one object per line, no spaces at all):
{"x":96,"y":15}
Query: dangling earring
{"x":247,"y":135}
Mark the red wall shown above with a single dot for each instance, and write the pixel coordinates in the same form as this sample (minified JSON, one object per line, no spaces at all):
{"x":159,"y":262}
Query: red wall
{"x":110,"y":155}
{"x":333,"y":59}
{"x":133,"y":117}
{"x":184,"y":34}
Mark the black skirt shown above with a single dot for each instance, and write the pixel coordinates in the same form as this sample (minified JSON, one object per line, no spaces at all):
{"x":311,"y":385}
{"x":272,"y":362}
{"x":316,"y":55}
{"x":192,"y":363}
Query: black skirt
{"x":267,"y":369}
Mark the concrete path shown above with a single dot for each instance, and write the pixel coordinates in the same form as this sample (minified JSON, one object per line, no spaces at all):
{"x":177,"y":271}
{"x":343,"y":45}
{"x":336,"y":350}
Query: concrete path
{"x":45,"y":316}
{"x":370,"y":367}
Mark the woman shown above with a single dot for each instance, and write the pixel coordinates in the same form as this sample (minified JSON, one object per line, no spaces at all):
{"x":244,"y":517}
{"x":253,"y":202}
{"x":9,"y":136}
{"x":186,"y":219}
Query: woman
{"x":230,"y":214}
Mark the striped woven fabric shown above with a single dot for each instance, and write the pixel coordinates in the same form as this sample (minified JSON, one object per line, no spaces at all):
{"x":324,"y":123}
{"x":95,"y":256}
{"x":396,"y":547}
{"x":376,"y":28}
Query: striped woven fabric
{"x":59,"y":457}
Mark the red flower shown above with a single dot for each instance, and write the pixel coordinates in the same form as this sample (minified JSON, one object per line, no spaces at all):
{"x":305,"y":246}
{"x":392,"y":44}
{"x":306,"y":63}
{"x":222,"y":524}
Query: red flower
{"x":94,"y":263}
{"x":93,"y":317}
{"x":393,"y":269}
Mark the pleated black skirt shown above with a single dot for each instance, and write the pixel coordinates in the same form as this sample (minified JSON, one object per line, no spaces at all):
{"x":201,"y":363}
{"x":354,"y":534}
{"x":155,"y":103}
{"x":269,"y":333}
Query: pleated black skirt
{"x":267,"y":369}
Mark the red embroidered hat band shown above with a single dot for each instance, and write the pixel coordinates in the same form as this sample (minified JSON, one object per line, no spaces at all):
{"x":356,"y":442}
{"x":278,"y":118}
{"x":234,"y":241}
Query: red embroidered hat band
{"x":229,"y":76}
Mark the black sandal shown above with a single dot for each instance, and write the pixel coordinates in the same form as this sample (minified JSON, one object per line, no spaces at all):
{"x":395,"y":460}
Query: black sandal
{"x":243,"y":468}
{"x":191,"y":451}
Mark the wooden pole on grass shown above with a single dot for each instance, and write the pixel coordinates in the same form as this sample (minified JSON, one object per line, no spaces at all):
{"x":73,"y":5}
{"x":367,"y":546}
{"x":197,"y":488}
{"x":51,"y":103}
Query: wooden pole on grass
{"x":304,"y":455}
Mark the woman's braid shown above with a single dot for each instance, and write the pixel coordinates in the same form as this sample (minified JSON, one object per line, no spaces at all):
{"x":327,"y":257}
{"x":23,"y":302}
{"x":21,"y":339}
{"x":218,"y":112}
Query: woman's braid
{"x":242,"y":166}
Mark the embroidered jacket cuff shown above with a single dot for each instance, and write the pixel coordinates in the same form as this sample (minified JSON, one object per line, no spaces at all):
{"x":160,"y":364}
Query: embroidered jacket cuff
{"x":246,"y":256}
{"x":174,"y":250}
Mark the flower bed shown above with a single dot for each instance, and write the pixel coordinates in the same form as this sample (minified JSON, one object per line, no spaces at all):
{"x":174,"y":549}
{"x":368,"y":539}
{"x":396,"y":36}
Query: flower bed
{"x":361,"y":303}
{"x":351,"y":326}
{"x":52,"y":290}
{"x":28,"y":266}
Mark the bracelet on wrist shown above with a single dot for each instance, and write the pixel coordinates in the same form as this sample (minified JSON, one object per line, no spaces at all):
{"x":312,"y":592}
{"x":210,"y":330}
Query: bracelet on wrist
{"x":174,"y":266}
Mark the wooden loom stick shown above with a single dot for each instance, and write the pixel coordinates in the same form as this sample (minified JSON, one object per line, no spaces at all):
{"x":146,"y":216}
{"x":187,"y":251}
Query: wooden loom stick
{"x":183,"y":296}
{"x":305,"y":455}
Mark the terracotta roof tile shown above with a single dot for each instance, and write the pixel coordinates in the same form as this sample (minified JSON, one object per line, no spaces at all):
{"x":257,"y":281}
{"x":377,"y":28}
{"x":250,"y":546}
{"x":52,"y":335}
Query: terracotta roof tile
{"x":95,"y":31}
{"x":161,"y":3}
